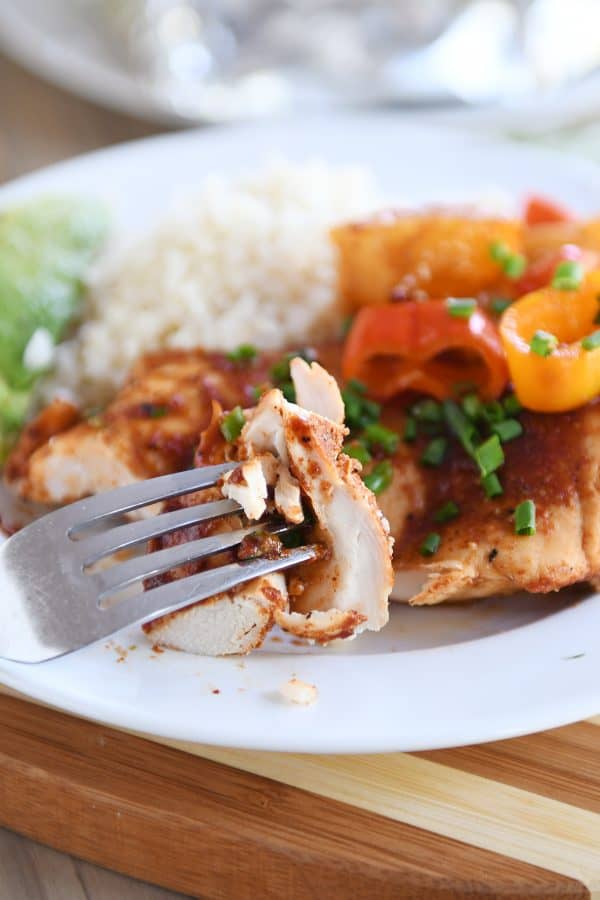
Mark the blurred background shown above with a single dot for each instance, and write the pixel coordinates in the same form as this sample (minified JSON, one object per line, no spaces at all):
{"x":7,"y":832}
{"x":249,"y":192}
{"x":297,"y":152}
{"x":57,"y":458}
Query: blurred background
{"x":526,"y":67}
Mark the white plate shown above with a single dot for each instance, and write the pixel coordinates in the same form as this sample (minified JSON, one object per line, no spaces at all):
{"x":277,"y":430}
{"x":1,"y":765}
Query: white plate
{"x":434,"y":677}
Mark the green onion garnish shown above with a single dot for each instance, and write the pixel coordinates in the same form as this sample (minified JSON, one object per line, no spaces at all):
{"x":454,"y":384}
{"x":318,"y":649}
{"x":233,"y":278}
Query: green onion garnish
{"x":360,"y":411}
{"x":358,"y":451}
{"x":447,"y":512}
{"x":434,"y":452}
{"x":525,"y":518}
{"x":461,"y":427}
{"x":357,"y":386}
{"x":288,"y":390}
{"x":280,"y":371}
{"x":543,"y":343}
{"x":410,"y":430}
{"x":493,"y":411}
{"x":499,"y":251}
{"x":245,"y":353}
{"x":489,"y":456}
{"x":491,"y":486}
{"x":380,"y":478}
{"x":472,"y":406}
{"x":232,"y":424}
{"x":514,"y":266}
{"x":507,"y":430}
{"x":498,"y":305}
{"x":568,"y":275}
{"x":427,"y":411}
{"x":592,"y":341}
{"x":377,"y":435}
{"x":461,"y":308}
{"x":430,"y":545}
{"x":512,"y":405}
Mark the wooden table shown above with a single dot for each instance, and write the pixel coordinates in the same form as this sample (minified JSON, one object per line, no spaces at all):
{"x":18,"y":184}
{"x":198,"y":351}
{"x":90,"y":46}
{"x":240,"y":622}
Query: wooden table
{"x":515,"y":819}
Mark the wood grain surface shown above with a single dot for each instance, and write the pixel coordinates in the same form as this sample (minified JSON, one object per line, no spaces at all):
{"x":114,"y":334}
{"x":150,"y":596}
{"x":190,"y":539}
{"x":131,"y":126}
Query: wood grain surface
{"x":512,"y":819}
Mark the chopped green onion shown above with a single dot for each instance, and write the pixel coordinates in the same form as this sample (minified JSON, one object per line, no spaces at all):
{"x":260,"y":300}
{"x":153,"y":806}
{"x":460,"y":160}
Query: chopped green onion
{"x":472,"y":406}
{"x":357,"y":386}
{"x":245,"y":353}
{"x":525,"y":518}
{"x":346,"y":325}
{"x":514,"y":266}
{"x":461,"y":427}
{"x":280,"y":371}
{"x":592,"y":341}
{"x":461,"y":308}
{"x":358,"y":451}
{"x":434,"y":452}
{"x":512,"y":405}
{"x":498,"y":305}
{"x":507,"y":430}
{"x":489,"y":456}
{"x":232,"y":424}
{"x":360,"y":411}
{"x":377,"y":435}
{"x":499,"y":251}
{"x":447,"y":512}
{"x":493,"y":411}
{"x":430,"y":545}
{"x":491,"y":486}
{"x":380,"y":478}
{"x":410,"y":430}
{"x":543,"y":343}
{"x":427,"y":411}
{"x":257,"y":391}
{"x":568,"y":275}
{"x":289,"y":391}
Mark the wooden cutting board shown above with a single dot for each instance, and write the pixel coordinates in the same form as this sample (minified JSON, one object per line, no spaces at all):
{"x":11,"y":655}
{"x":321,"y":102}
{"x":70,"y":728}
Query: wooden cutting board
{"x":517,"y":818}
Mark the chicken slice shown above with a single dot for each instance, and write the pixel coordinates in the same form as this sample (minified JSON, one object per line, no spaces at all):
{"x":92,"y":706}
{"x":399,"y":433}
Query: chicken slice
{"x":151,"y":428}
{"x":555,"y":463}
{"x":316,"y":390}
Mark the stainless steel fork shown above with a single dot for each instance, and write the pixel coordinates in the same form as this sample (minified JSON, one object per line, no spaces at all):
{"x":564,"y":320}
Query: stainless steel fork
{"x":53,"y":599}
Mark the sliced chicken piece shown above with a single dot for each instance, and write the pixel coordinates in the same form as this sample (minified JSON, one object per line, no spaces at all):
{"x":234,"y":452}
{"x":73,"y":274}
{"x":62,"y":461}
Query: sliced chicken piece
{"x":151,"y":428}
{"x":321,"y":627}
{"x":556,"y":463}
{"x":232,"y":623}
{"x":317,"y":390}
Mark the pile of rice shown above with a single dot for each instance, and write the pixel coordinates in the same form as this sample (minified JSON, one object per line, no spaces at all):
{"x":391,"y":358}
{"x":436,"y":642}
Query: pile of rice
{"x":245,"y":260}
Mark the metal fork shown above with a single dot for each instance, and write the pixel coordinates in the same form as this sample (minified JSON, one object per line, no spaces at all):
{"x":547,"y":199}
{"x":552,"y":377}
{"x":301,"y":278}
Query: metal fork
{"x":52,"y":601}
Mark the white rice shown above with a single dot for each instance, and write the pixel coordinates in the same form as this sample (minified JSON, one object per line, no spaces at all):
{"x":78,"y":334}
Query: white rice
{"x":247,"y":260}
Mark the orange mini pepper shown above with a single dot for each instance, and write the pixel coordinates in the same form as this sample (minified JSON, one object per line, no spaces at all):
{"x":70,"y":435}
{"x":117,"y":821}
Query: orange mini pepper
{"x":420,"y":346}
{"x":569,"y":375}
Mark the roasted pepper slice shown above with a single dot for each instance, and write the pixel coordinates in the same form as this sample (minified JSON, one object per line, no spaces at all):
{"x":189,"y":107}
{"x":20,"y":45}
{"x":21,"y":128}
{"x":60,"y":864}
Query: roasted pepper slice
{"x":424,"y":346}
{"x":569,"y":375}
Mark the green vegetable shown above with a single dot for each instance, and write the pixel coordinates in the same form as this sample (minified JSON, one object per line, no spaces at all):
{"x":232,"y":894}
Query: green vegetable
{"x":525,"y":518}
{"x":499,"y":305}
{"x":431,"y":544}
{"x":514,"y":266}
{"x":592,"y":341}
{"x":472,"y":406}
{"x":461,"y":427}
{"x":461,"y":308}
{"x":245,"y":353}
{"x":512,"y":406}
{"x":46,"y":246}
{"x":232,"y":424}
{"x":489,"y":456}
{"x":289,"y":391}
{"x":493,"y":411}
{"x":427,"y":411}
{"x":280,"y":371}
{"x":447,"y":512}
{"x":410,"y":430}
{"x":499,"y":251}
{"x":543,"y":343}
{"x":434,"y":452}
{"x":568,"y":275}
{"x":507,"y":430}
{"x":358,"y":451}
{"x":380,"y":478}
{"x":491,"y":486}
{"x":359,"y":410}
{"x":377,"y":435}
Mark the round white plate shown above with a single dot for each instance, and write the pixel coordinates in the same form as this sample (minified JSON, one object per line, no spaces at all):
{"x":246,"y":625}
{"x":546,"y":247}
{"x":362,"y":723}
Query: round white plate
{"x":434,"y":677}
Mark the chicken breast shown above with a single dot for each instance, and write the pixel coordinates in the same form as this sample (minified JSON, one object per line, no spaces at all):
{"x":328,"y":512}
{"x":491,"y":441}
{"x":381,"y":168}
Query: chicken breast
{"x":287,"y":448}
{"x":151,"y":428}
{"x":555,"y":463}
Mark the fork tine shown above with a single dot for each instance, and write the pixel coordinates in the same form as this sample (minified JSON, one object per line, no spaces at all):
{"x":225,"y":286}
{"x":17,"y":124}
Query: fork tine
{"x":177,"y":594}
{"x":143,"y":493}
{"x":121,"y":575}
{"x":123,"y":536}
